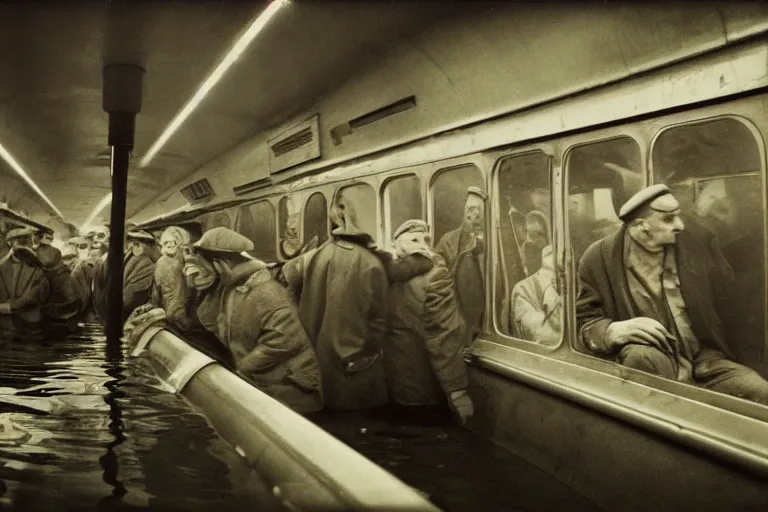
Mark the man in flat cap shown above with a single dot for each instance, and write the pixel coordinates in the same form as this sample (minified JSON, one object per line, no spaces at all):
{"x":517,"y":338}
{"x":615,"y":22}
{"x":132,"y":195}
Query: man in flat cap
{"x":138,"y":273}
{"x":423,"y":349}
{"x":64,"y":302}
{"x":463,"y":250}
{"x":23,"y":285}
{"x":648,"y":299}
{"x":255,"y":318}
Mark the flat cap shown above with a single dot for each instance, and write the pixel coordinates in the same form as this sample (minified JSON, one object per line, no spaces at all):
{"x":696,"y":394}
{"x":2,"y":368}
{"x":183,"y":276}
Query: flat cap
{"x":18,"y":233}
{"x":411,"y":226}
{"x":223,"y":240}
{"x":478,"y":192}
{"x":141,"y":236}
{"x":642,"y":198}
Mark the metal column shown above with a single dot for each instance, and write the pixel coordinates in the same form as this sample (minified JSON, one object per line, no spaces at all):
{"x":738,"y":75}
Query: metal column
{"x":122,"y":94}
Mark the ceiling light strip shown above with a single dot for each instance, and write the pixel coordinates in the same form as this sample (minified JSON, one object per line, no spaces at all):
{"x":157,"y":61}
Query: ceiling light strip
{"x":96,"y":211}
{"x":16,"y":167}
{"x":234,"y":53}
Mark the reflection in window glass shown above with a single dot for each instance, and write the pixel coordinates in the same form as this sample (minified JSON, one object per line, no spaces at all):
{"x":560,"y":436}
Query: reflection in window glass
{"x":528,"y":303}
{"x":601,"y":176}
{"x":357,"y":203}
{"x":289,"y":215}
{"x":316,"y":220}
{"x":459,"y":226}
{"x":218,"y":220}
{"x":402,"y":201}
{"x":257,"y":223}
{"x":714,"y":169}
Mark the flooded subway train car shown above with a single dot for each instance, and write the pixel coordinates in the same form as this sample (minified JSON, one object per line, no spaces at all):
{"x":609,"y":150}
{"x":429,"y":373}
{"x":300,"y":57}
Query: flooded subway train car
{"x":587,"y":183}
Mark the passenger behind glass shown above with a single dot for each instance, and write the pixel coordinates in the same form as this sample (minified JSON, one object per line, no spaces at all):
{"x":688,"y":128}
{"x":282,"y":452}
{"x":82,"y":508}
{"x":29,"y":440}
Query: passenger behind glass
{"x":648,"y":299}
{"x":536,"y":238}
{"x":342,"y":289}
{"x":536,"y":304}
{"x":23,"y":285}
{"x":423,"y":349}
{"x":255,"y":318}
{"x":63,"y":302}
{"x":462,"y":249}
{"x":138,"y":275}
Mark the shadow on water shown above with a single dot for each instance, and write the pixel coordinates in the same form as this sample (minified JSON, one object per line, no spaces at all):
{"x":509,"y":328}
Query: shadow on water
{"x":455,"y":468}
{"x":84,"y":428}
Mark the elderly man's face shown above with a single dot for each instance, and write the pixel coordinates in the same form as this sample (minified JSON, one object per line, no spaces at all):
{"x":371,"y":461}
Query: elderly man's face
{"x":198,"y":271}
{"x":135,"y":247}
{"x":664,"y":223}
{"x":474,"y":212}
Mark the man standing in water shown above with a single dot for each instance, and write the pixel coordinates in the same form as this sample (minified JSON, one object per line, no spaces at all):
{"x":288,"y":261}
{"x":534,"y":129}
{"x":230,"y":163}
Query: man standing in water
{"x":23,"y":285}
{"x":463,"y":251}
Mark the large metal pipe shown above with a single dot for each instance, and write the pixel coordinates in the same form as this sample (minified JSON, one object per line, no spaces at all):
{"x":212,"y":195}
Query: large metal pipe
{"x":122,"y":93}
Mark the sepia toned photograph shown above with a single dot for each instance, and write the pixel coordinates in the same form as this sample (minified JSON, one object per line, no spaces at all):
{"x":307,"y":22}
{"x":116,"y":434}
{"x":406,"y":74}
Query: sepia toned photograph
{"x":385,"y":255}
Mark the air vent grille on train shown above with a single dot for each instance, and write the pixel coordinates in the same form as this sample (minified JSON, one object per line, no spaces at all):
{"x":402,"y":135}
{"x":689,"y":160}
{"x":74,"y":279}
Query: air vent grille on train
{"x":197,"y":191}
{"x":295,"y":146}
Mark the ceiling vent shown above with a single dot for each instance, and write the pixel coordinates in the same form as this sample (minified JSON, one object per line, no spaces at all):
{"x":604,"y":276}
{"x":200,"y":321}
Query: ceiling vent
{"x":295,"y":146}
{"x":251,"y":186}
{"x":344,"y":129}
{"x":198,"y":191}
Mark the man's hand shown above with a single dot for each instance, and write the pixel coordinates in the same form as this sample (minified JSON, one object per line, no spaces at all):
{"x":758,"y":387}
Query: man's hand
{"x":5,"y":308}
{"x":462,"y":405}
{"x":641,"y":330}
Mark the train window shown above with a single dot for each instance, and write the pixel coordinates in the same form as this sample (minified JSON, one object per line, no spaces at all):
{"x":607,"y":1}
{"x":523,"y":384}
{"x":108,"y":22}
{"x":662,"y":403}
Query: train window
{"x":257,"y":222}
{"x":402,"y":201}
{"x":714,"y":169}
{"x":601,"y":177}
{"x":358,"y":205}
{"x":218,"y":220}
{"x":459,"y":226}
{"x":527,"y":303}
{"x":316,"y":220}
{"x":289,"y":214}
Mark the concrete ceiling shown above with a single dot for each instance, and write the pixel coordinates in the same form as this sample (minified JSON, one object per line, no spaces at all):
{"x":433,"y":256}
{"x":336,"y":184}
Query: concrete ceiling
{"x":51,"y":118}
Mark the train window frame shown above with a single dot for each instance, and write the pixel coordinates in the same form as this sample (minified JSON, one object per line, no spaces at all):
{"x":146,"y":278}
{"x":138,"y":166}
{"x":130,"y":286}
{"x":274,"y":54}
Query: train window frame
{"x":757,"y":136}
{"x":573,"y":281}
{"x":336,"y":190}
{"x":268,"y":200}
{"x":387,"y":229}
{"x":440,"y":168}
{"x":310,"y":194}
{"x":496,"y":208}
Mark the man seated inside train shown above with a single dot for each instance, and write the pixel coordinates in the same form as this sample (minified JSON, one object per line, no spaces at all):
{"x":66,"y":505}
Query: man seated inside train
{"x":138,"y":273}
{"x":342,"y":292}
{"x":23,"y":285}
{"x":649,"y":299}
{"x":423,"y":349}
{"x":536,"y":239}
{"x":462,"y":249}
{"x":63,"y":302}
{"x":536,"y":304}
{"x":255,"y":318}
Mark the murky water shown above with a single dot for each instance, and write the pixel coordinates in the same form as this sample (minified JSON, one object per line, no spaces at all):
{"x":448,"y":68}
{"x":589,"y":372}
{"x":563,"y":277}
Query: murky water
{"x":457,"y":469}
{"x":94,"y":432}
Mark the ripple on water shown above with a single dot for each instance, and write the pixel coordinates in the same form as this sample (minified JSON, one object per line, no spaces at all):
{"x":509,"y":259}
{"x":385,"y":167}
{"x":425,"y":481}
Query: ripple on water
{"x":70,"y":440}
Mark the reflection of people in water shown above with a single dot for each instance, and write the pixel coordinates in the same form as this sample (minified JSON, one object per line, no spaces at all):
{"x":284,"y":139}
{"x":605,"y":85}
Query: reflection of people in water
{"x":23,"y":285}
{"x":536,"y":304}
{"x":648,"y":299}
{"x":462,"y":249}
